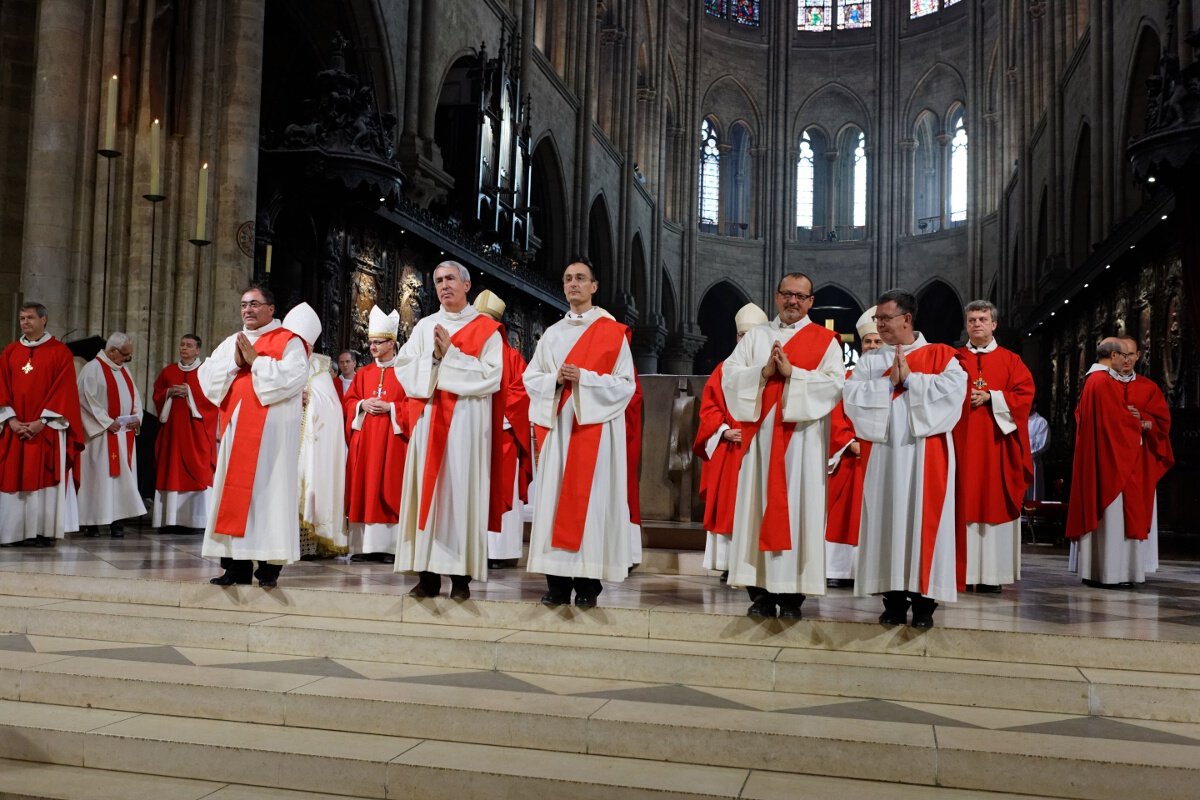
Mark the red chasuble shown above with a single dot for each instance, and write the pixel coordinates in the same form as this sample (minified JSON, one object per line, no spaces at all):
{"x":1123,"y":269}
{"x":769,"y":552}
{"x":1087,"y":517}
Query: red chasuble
{"x":804,"y":350}
{"x":32,"y":380}
{"x":845,"y":488}
{"x":633,"y":451}
{"x":511,"y":449}
{"x":1115,"y":457}
{"x":375,"y":459}
{"x":596,"y":351}
{"x":470,"y":339}
{"x":718,"y":474}
{"x":932,"y":359}
{"x":233,"y":507}
{"x":185,"y":449}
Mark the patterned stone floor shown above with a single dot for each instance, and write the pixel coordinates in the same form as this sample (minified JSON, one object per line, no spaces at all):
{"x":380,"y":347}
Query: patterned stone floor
{"x":1048,"y":599}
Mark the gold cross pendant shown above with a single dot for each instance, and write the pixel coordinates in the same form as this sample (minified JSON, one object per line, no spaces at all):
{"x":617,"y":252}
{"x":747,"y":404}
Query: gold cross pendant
{"x":28,"y":368}
{"x":980,"y":383}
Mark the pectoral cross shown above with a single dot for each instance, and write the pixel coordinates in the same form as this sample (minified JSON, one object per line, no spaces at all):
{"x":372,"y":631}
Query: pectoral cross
{"x":28,"y":368}
{"x":980,"y":383}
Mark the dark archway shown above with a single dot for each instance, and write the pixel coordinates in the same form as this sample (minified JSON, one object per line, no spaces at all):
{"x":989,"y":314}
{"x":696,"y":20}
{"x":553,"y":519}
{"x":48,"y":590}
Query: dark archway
{"x":669,"y":304}
{"x":639,"y":282}
{"x":457,"y":131}
{"x":548,"y":199}
{"x":717,"y":309}
{"x":835,"y":303}
{"x":939,"y":313}
{"x":1142,"y":68}
{"x":600,"y":250}
{"x":1080,"y":232}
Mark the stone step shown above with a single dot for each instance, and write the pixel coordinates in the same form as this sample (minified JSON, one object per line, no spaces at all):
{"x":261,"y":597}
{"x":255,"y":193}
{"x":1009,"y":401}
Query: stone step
{"x":632,"y":751}
{"x":901,"y":676}
{"x":657,"y":623}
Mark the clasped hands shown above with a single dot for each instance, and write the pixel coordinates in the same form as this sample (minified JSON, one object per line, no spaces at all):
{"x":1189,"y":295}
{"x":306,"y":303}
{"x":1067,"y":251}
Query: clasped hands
{"x":979,"y":397}
{"x":777,"y":362}
{"x":441,"y":342}
{"x":26,"y":430}
{"x":1146,"y":424}
{"x":899,"y":372}
{"x":179,"y":390}
{"x":244,"y":352}
{"x":115,"y":427}
{"x":373,"y":405}
{"x":568,"y":372}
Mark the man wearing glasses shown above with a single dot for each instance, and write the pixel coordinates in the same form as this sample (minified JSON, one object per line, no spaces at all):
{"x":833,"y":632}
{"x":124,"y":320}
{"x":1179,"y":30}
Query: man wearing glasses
{"x":1122,"y":450}
{"x":905,"y":398}
{"x":112,"y":417}
{"x":781,"y":383}
{"x":257,"y":376}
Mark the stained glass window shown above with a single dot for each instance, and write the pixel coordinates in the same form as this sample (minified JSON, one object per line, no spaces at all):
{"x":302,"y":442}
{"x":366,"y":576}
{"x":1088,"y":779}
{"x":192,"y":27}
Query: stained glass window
{"x":710,"y":175}
{"x":958,"y":170}
{"x":744,"y":12}
{"x":805,"y":182}
{"x":860,"y":181}
{"x":853,"y":14}
{"x":813,"y":16}
{"x":714,"y":8}
{"x":922,"y":7}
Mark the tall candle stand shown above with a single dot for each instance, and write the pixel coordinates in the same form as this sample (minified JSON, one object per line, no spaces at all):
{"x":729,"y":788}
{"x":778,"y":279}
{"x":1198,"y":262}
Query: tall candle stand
{"x":108,"y":155}
{"x":154,"y":199}
{"x":199,"y":244}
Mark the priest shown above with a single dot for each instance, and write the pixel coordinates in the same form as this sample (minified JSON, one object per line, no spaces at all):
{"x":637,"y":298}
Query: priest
{"x":450,"y":367}
{"x":991,"y":448}
{"x":322,"y":465}
{"x":346,"y":368}
{"x":41,"y":435}
{"x":847,"y":468}
{"x":375,"y":415}
{"x":256,"y":377}
{"x":580,"y":381}
{"x":111,"y":409}
{"x":718,"y":445}
{"x":905,"y":398}
{"x":782,"y":383}
{"x":1122,"y":450}
{"x":512,"y":469}
{"x":185,"y":449}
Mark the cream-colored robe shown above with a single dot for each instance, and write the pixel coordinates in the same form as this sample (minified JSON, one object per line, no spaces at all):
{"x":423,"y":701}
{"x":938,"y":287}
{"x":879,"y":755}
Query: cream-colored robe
{"x":102,"y":498}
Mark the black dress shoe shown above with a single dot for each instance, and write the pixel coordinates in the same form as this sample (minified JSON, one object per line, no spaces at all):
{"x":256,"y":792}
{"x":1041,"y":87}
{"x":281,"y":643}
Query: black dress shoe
{"x":986,"y":588}
{"x":228,"y":580}
{"x":725,"y":576}
{"x":585,"y":601}
{"x":269,"y":583}
{"x":361,"y":558}
{"x":460,"y":587}
{"x":762,"y":607}
{"x":496,"y":563}
{"x":556,"y":599}
{"x":89,"y":531}
{"x":789,"y":611}
{"x":922,"y":612}
{"x":387,"y":558}
{"x":895,"y":609}
{"x":116,"y":531}
{"x":44,"y":541}
{"x":421,"y":591}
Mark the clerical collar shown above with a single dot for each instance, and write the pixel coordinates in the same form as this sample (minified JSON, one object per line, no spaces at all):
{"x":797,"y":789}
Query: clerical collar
{"x":905,"y":348}
{"x":579,"y":319}
{"x":1097,"y":367}
{"x":45,"y":338}
{"x":1112,"y":373}
{"x":381,"y":364}
{"x":987,"y":348}
{"x":189,"y":367}
{"x":270,"y":326}
{"x":778,"y":325}
{"x":102,"y":357}
{"x":468,"y":311}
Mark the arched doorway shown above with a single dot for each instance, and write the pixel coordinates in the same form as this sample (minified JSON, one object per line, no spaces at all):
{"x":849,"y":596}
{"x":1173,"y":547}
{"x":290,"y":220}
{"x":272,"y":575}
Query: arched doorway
{"x":548,"y":201}
{"x":835,"y":303}
{"x":939,"y":313}
{"x":717,"y":309}
{"x":600,"y":250}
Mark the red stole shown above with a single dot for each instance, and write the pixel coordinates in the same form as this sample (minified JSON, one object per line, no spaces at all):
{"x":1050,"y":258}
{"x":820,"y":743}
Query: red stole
{"x":470,"y":339}
{"x":633,"y":451}
{"x":932,"y":359}
{"x":719,"y":474}
{"x":509,"y":402}
{"x":28,"y":466}
{"x":233,"y":508}
{"x":845,"y":490}
{"x":185,"y":449}
{"x":376,"y":454}
{"x":804,"y":350}
{"x":596,"y":351}
{"x":114,"y":411}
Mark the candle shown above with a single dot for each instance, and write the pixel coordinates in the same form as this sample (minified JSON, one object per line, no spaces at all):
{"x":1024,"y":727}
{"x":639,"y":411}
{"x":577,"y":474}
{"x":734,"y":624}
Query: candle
{"x":268,"y":259}
{"x":110,"y":119}
{"x":202,"y":204}
{"x":155,"y":159}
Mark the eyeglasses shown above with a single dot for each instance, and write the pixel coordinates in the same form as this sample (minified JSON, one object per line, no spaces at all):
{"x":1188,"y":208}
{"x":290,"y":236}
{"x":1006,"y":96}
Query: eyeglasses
{"x":886,"y":318}
{"x":801,"y":296}
{"x":377,"y":342}
{"x":256,"y":305}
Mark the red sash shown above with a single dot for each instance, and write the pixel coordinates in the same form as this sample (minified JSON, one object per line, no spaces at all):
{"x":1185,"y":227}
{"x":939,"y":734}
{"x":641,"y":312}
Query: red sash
{"x":242,"y":464}
{"x":804,"y":350}
{"x":470,"y":339}
{"x":596,"y":351}
{"x":932,"y":359}
{"x":114,"y":411}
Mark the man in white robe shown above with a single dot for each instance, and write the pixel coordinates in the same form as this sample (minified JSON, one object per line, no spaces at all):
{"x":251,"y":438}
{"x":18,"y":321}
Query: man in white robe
{"x":449,"y":368}
{"x":782,"y":382}
{"x":322,"y":465}
{"x":579,"y":382}
{"x":1039,"y":443}
{"x":257,"y":376}
{"x":41,"y":436}
{"x":112,"y":416}
{"x":905,"y":398}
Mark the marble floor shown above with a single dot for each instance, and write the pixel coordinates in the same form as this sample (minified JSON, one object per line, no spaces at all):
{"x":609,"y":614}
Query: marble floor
{"x":1048,"y":599}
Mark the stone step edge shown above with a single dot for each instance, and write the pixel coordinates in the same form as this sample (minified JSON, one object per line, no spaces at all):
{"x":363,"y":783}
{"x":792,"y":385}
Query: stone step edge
{"x":1172,"y":769}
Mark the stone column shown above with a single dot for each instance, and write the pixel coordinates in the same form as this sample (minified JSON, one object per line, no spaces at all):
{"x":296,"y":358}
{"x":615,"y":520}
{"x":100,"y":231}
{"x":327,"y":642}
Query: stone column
{"x":235,"y":188}
{"x":51,"y":236}
{"x":583,"y":130}
{"x":908,"y":180}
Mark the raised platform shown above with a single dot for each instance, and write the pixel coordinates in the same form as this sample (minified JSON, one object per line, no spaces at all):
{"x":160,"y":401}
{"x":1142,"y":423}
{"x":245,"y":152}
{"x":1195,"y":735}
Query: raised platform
{"x":122,"y":673}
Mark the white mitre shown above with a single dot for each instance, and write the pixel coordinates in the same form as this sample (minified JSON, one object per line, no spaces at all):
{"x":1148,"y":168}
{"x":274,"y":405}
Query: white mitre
{"x":305,"y":323}
{"x":488,"y":302}
{"x":865,"y":324}
{"x":749,"y":316}
{"x":383,"y":326}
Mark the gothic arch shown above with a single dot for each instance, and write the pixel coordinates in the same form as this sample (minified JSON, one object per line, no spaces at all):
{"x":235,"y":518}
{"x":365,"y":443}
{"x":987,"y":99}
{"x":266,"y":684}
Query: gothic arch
{"x":600,"y":249}
{"x":548,"y":196}
{"x":830,"y":107}
{"x":940,"y":86}
{"x":727,"y":97}
{"x":718,"y":306}
{"x":939,"y":312}
{"x":670,"y":305}
{"x":1142,"y":64}
{"x":1080,"y":210}
{"x":834,"y":302}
